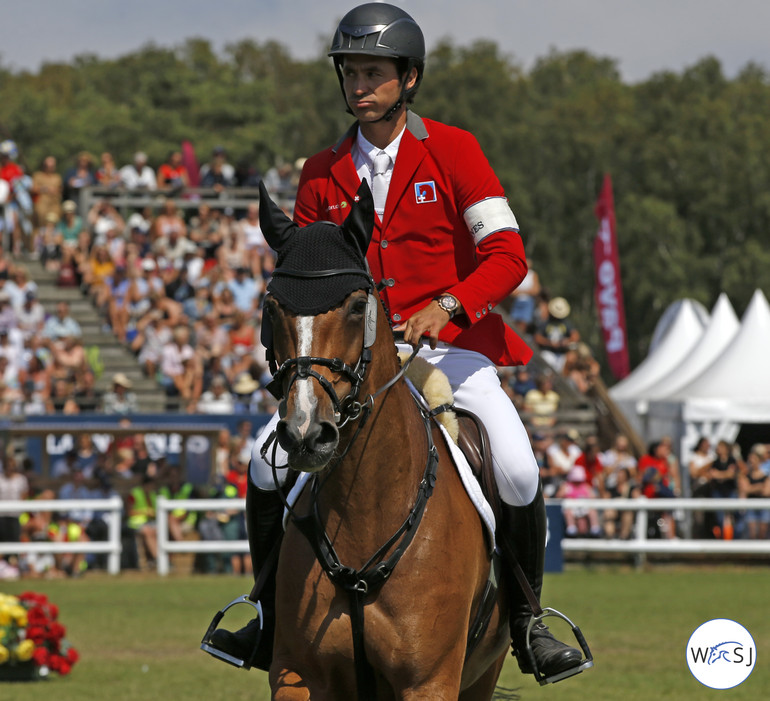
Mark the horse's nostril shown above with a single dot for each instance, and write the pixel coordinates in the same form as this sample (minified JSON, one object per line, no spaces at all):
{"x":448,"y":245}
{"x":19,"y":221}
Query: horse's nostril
{"x":328,"y":434}
{"x":287,"y":434}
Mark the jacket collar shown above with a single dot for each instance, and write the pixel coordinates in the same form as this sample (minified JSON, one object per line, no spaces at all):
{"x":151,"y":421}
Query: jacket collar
{"x":410,"y":155}
{"x":414,"y":124}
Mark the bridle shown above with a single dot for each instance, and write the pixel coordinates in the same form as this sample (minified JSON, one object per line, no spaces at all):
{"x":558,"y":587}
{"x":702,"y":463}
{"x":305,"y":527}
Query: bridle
{"x":349,"y":408}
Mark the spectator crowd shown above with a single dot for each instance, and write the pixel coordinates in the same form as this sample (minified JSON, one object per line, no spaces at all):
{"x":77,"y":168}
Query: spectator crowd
{"x":181,"y":289}
{"x":138,"y":473}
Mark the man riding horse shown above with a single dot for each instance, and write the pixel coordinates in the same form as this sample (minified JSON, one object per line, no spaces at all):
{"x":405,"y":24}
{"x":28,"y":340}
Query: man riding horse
{"x":445,"y":250}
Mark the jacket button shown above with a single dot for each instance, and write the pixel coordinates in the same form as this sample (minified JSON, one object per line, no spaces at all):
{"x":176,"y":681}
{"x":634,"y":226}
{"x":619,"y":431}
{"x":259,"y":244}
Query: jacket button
{"x":384,"y":244}
{"x":396,"y":317}
{"x":390,"y":282}
{"x":478,"y":315}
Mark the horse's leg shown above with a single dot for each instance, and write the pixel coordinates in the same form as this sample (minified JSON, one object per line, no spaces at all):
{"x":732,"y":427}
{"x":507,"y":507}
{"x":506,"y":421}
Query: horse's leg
{"x":484,"y":687}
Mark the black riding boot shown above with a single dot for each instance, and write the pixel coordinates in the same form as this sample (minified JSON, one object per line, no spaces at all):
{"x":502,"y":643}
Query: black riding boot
{"x":524,"y":532}
{"x":254,"y":642}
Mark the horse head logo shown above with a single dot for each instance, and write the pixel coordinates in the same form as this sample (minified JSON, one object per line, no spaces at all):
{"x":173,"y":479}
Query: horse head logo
{"x":718,"y":652}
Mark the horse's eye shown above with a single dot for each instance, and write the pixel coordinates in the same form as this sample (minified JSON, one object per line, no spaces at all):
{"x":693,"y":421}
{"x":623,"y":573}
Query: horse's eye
{"x":358,"y":307}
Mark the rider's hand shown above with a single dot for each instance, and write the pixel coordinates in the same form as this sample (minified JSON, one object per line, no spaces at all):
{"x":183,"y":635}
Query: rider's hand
{"x":428,"y":321}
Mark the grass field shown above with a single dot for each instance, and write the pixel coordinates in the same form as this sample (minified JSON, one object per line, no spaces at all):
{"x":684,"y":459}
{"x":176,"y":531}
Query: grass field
{"x":138,"y":636}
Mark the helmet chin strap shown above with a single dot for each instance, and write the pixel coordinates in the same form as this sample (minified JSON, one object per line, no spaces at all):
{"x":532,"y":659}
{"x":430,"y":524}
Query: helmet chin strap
{"x":390,"y":113}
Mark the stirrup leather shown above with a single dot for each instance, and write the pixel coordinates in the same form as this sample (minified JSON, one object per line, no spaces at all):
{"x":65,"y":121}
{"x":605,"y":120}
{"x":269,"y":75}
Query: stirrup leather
{"x":207,"y":646}
{"x":586,"y":663}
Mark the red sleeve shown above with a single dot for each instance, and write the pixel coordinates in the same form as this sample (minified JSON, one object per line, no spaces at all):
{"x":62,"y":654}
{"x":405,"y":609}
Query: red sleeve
{"x":501,"y":261}
{"x":501,"y":267}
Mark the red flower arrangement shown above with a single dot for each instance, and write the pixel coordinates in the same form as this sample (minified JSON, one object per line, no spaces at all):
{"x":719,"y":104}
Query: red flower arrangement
{"x":32,"y":642}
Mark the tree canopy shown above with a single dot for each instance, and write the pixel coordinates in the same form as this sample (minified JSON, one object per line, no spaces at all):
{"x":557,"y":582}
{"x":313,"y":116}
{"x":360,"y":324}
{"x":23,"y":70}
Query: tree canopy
{"x":689,"y":153}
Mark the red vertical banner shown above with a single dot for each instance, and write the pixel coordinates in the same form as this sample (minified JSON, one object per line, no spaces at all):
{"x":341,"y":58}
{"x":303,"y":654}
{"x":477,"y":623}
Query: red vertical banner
{"x":608,"y":290}
{"x":190,"y":163}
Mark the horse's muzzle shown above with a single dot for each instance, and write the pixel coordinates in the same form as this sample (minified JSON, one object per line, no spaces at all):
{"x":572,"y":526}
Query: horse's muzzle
{"x":309,"y":445}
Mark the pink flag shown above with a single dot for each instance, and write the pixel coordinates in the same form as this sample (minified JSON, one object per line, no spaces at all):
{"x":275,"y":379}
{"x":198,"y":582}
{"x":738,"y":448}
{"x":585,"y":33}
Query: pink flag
{"x":609,"y":292}
{"x":190,"y":162}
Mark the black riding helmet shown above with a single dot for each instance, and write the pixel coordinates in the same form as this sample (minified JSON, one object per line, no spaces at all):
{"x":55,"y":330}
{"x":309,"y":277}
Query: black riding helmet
{"x":379,"y":29}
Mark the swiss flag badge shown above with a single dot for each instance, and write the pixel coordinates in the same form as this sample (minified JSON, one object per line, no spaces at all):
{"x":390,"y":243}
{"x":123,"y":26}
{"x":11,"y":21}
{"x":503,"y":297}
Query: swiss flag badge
{"x":425,"y":192}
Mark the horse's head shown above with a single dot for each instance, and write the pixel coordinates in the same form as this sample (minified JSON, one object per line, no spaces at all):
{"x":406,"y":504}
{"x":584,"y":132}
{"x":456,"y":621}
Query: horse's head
{"x":320,"y":317}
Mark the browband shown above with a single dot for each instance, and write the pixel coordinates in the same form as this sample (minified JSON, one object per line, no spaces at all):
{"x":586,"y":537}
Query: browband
{"x":289,"y":272}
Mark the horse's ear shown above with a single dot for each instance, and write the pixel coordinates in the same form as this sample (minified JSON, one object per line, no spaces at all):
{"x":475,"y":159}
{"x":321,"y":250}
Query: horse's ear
{"x":359,"y":224}
{"x":276,"y":226}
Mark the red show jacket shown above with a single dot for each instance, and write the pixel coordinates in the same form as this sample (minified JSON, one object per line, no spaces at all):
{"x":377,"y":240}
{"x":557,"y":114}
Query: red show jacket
{"x":423,"y":248}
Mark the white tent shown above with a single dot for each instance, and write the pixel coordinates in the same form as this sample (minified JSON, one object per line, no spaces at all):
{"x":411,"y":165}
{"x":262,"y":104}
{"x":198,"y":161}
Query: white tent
{"x":742,"y":371}
{"x":669,"y":316}
{"x":722,"y":327}
{"x":733,"y":389}
{"x":681,"y":337}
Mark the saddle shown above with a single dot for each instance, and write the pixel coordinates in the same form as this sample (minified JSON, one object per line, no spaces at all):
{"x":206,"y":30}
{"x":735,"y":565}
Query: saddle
{"x":473,"y":441}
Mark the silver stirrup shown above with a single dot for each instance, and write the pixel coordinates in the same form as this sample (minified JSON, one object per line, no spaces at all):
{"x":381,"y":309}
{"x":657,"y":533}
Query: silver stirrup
{"x":586,"y":663}
{"x":206,"y":645}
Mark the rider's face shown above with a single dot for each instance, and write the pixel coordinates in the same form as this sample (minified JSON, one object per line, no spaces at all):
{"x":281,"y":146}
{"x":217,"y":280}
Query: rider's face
{"x":372,"y":85}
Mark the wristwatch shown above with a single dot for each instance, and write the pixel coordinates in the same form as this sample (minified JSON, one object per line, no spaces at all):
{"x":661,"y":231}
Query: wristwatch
{"x":448,"y":303}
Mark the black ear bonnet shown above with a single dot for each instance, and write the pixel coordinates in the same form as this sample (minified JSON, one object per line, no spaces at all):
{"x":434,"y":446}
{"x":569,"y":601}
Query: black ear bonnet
{"x":318,"y":265}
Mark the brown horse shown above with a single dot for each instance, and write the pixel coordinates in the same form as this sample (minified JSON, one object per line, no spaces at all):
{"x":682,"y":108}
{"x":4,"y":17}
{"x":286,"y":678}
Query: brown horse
{"x":385,"y":522}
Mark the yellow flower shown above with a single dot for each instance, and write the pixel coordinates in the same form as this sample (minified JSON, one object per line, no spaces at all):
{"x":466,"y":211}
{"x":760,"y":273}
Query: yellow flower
{"x":19,"y":614}
{"x":4,"y":654}
{"x":8,"y":599}
{"x":5,"y":616}
{"x":24,"y":650}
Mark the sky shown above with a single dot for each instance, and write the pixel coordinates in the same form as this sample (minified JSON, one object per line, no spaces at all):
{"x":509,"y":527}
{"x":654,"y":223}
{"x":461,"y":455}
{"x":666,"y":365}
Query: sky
{"x":643,"y":36}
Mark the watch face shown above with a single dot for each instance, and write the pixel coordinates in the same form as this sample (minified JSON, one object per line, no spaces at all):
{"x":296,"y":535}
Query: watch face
{"x":448,"y":303}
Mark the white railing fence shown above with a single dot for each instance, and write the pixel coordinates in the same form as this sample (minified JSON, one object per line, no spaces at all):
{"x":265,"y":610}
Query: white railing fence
{"x":166,"y":546}
{"x":639,"y":545}
{"x":113,"y":514}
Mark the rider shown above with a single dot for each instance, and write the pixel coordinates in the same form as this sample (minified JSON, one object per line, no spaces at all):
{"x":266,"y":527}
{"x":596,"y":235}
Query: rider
{"x":445,"y":251}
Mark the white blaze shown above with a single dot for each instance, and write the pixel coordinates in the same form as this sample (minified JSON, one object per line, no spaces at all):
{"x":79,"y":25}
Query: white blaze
{"x":306,"y":400}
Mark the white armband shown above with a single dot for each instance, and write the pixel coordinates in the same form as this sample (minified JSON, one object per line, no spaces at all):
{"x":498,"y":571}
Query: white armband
{"x":488,"y":216}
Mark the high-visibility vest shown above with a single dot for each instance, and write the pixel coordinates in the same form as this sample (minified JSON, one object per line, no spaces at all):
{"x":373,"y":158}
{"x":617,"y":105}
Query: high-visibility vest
{"x":145,"y":511}
{"x":185,"y":492}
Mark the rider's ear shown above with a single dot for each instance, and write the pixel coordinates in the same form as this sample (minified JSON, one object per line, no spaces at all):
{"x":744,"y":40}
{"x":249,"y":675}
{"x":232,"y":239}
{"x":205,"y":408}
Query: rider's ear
{"x":276,"y":226}
{"x":359,"y":224}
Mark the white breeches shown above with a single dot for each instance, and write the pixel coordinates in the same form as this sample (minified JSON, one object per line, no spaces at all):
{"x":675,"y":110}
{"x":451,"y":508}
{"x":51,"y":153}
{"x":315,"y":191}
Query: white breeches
{"x":476,"y":387}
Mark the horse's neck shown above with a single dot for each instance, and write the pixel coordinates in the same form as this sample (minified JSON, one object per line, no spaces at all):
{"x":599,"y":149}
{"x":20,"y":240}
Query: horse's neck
{"x":383,"y":466}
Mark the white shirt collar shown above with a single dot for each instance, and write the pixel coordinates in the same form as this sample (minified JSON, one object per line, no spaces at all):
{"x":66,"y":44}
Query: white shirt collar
{"x":367,"y":150}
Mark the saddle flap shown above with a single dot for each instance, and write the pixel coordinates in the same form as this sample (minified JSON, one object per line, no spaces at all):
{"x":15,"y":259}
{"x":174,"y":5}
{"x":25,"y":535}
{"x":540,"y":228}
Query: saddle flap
{"x":473,"y":441}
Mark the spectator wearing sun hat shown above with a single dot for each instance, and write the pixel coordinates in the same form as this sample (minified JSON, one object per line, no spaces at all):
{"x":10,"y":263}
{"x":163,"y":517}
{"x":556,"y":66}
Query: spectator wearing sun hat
{"x":556,"y":334}
{"x":247,"y":395}
{"x":120,"y":400}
